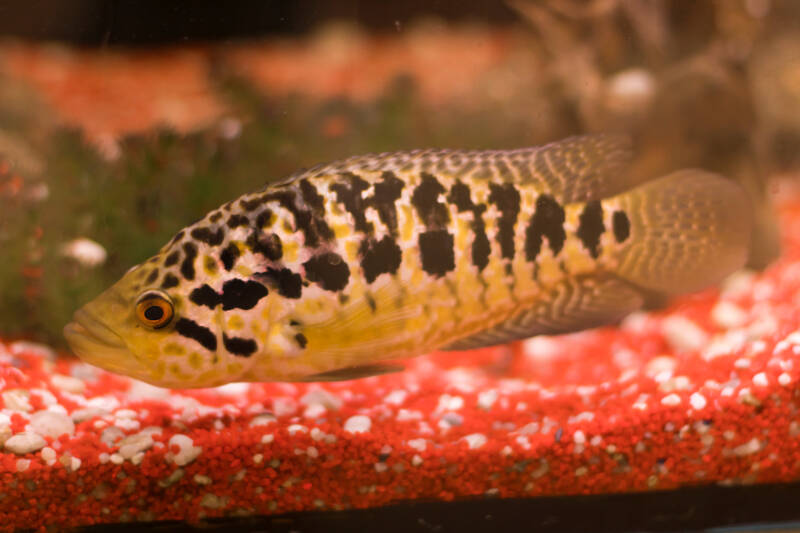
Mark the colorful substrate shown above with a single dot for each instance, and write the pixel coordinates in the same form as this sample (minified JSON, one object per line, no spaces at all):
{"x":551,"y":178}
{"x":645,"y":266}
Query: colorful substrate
{"x":704,"y":392}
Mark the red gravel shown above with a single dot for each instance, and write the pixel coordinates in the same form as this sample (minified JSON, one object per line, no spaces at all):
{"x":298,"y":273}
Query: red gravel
{"x":704,"y":392}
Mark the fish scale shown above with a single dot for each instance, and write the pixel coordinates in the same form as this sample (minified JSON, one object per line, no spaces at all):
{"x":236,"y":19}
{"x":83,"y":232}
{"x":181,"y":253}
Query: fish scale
{"x":330,"y":272}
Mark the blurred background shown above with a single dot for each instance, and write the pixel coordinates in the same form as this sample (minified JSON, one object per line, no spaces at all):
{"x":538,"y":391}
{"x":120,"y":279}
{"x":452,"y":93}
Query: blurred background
{"x":123,"y":121}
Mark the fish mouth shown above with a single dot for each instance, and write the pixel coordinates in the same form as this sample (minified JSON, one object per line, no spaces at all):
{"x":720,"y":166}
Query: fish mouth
{"x":94,"y":342}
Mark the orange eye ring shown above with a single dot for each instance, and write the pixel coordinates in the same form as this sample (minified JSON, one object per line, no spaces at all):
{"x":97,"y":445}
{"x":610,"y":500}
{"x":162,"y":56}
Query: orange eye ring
{"x":154,"y":310}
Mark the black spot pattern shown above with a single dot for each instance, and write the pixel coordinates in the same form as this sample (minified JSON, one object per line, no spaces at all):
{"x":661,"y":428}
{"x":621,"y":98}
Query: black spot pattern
{"x":349,"y":194}
{"x":301,"y":339}
{"x":384,"y":200}
{"x":435,"y":245}
{"x":590,"y":227}
{"x":172,"y":258}
{"x":313,"y":226}
{"x":379,"y":257}
{"x":192,"y":330}
{"x":436,"y":250}
{"x":547,"y":221}
{"x":238,"y":294}
{"x":267,"y":244}
{"x":205,"y":295}
{"x":212,"y":238}
{"x":290,"y":284}
{"x":234,"y":221}
{"x":169,"y":281}
{"x":215,"y":217}
{"x":621,"y":226}
{"x":461,"y":198}
{"x":229,"y":256}
{"x":328,"y":270}
{"x":152,"y":277}
{"x":178,"y":236}
{"x":251,"y":204}
{"x":506,"y":198}
{"x":239,"y":346}
{"x":187,"y":266}
{"x":425,"y":199}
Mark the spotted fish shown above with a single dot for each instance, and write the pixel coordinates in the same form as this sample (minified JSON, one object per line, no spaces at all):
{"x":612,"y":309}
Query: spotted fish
{"x":329,"y":273}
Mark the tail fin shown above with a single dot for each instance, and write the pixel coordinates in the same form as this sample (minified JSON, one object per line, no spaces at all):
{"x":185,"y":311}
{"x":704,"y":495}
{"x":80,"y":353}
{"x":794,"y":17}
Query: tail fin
{"x":688,"y":230}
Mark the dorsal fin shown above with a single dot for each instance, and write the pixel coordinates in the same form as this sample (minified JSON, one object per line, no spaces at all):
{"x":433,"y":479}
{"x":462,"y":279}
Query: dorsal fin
{"x":576,"y":169}
{"x":572,"y":305}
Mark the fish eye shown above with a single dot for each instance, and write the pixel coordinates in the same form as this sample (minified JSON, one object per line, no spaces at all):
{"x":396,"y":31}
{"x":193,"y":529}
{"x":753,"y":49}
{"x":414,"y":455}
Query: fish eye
{"x":154,"y":310}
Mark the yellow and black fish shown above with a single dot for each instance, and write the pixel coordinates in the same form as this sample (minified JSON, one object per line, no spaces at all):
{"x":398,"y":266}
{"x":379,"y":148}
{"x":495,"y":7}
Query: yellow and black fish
{"x":338,"y":268}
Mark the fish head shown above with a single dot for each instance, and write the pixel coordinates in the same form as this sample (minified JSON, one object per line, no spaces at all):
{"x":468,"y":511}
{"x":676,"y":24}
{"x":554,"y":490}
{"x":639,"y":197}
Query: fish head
{"x":151,"y":333}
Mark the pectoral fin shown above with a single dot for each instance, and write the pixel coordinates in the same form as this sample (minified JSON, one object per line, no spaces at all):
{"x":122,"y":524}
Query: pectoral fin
{"x":572,"y":305}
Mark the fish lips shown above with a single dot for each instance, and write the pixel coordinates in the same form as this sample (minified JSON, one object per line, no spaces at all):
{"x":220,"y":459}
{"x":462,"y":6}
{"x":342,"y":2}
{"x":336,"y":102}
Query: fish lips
{"x":94,"y":342}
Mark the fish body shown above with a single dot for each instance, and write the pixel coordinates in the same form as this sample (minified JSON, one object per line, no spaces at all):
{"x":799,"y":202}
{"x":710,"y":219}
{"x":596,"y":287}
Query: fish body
{"x":338,"y":268}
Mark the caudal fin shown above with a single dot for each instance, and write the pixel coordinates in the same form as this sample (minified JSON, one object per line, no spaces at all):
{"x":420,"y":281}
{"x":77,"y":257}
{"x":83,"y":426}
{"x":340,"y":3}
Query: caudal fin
{"x":688,"y":230}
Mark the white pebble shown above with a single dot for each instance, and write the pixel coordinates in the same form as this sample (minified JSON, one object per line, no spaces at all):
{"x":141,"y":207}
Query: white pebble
{"x":358,"y":424}
{"x":268,"y":438}
{"x":749,"y":447}
{"x":296,"y":428}
{"x":23,"y":464}
{"x":396,"y":397}
{"x":486,"y":399}
{"x":728,"y":315}
{"x":579,"y":437}
{"x":48,"y":455}
{"x":449,"y":403}
{"x":117,"y":459}
{"x":381,"y":467}
{"x":418,"y":444}
{"x":416,"y":460}
{"x":17,"y":400}
{"x":187,"y":452}
{"x":784,"y":379}
{"x":134,"y":444}
{"x":475,"y":440}
{"x":697,"y":400}
{"x":671,"y":399}
{"x":25,"y":442}
{"x":315,"y":410}
{"x":683,"y":334}
{"x":68,"y":383}
{"x":262,"y":420}
{"x":322,"y":397}
{"x":760,"y":380}
{"x":50,"y":424}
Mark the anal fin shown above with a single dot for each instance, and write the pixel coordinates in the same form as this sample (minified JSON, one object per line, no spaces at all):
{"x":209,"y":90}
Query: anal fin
{"x":353,"y":372}
{"x":571,"y":305}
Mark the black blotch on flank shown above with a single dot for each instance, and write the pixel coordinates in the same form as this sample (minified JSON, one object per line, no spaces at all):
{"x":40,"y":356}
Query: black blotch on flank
{"x":371,"y":302}
{"x":312,"y":198}
{"x":547,"y":221}
{"x":290,"y":284}
{"x":621,"y":225}
{"x":169,"y":281}
{"x":313,"y":226}
{"x":192,"y":330}
{"x":590,"y":227}
{"x":239,"y":346}
{"x":267,"y":244}
{"x":379,"y":257}
{"x":152,"y":277}
{"x":178,"y":236}
{"x":387,"y":192}
{"x":234,"y":221}
{"x":506,"y":198}
{"x":215,"y":217}
{"x":252,"y":204}
{"x":212,"y":238}
{"x":349,"y":195}
{"x":172,"y":258}
{"x":436,"y":251}
{"x":328,"y":270}
{"x":294,"y":323}
{"x":229,"y":256}
{"x":460,"y":196}
{"x":263,"y":218}
{"x":238,"y":294}
{"x":301,"y":339}
{"x":187,"y":267}
{"x":425,"y":199}
{"x":205,"y":295}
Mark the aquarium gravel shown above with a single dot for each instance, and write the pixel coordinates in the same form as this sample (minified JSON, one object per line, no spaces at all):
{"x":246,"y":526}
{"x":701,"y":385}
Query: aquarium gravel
{"x":703,"y":392}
